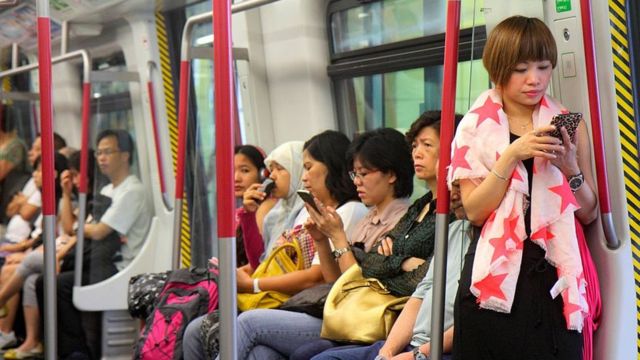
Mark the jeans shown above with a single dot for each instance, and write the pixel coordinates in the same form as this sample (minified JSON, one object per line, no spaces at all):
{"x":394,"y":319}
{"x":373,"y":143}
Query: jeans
{"x":192,"y":346}
{"x":351,"y":352}
{"x":274,"y":334}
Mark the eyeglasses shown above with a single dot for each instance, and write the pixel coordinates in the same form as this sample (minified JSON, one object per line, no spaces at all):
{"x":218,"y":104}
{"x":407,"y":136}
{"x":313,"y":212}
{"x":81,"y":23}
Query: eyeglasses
{"x":360,"y":175}
{"x":106,"y":152}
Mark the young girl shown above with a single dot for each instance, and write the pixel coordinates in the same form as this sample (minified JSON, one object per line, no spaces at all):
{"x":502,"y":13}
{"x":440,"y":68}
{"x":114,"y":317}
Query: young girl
{"x":521,"y":294}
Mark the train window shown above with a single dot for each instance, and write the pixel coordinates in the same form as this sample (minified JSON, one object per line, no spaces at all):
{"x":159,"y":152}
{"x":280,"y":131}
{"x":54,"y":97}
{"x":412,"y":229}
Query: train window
{"x":396,"y":98}
{"x":355,"y":26}
{"x":384,"y":22}
{"x":390,"y":81}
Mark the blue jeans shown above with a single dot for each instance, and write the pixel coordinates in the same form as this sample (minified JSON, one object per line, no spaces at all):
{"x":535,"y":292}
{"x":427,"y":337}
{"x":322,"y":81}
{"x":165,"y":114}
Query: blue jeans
{"x":351,"y":352}
{"x":274,"y":334}
{"x":192,"y":346}
{"x":354,"y":352}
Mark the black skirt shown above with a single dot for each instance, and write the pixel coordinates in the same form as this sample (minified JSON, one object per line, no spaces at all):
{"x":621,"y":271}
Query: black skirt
{"x":534,"y":330}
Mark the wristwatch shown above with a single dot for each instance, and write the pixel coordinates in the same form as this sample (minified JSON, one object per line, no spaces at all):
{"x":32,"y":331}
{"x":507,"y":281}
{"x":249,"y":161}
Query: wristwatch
{"x":418,"y":355}
{"x":339,"y":252}
{"x":576,"y":181}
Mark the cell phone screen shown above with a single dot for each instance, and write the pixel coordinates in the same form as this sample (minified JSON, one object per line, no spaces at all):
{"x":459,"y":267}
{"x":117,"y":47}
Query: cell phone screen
{"x":569,"y":121}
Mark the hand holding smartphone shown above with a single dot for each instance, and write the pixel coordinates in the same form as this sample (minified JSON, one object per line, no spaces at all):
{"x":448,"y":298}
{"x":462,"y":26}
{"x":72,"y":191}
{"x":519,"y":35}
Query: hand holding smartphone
{"x":267,"y":186}
{"x":569,"y":121}
{"x":308,"y":198}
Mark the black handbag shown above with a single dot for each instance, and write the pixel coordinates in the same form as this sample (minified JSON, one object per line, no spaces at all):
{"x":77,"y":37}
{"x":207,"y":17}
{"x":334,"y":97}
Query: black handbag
{"x":309,"y":301}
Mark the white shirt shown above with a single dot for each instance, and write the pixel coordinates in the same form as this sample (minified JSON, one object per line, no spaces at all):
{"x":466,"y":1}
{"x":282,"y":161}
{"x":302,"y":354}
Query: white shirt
{"x":18,"y":228}
{"x":129,"y":215}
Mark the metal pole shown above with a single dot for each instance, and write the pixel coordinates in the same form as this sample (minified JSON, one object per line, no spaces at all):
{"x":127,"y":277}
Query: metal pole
{"x":48,"y":186}
{"x":84,"y":164}
{"x":64,"y":37}
{"x":14,"y":55}
{"x":224,"y":108}
{"x":442,"y":217}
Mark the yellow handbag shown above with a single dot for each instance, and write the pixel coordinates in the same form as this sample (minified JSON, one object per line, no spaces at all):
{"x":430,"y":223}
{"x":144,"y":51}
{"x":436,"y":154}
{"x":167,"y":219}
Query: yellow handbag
{"x":359,"y":310}
{"x":279,"y":262}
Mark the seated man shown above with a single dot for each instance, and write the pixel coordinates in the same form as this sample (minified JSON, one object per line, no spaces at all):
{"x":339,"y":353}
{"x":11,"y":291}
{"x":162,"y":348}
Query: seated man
{"x":402,"y":342}
{"x":129,"y":213}
{"x":127,"y":217}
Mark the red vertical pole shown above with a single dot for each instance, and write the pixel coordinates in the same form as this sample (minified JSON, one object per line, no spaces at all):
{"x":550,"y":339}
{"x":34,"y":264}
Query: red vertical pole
{"x":48,"y":176}
{"x":224,"y":110}
{"x":442,"y":211}
{"x":156,"y":139}
{"x":448,"y":100}
{"x":608,"y":227}
{"x":46,"y":115}
{"x":84,"y":140}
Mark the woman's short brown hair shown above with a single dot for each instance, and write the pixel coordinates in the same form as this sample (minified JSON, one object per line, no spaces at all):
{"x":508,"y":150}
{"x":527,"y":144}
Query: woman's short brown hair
{"x":515,"y":40}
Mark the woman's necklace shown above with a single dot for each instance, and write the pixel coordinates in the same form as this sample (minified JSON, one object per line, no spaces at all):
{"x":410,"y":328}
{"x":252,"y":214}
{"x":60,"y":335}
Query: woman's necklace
{"x":523,"y":127}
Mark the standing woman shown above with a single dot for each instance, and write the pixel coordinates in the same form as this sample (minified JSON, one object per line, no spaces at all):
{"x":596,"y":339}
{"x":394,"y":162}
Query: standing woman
{"x":521,"y":294}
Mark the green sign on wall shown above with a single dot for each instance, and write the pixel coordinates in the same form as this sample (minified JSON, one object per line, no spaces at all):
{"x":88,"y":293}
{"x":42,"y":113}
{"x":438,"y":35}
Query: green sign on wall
{"x":563,"y":5}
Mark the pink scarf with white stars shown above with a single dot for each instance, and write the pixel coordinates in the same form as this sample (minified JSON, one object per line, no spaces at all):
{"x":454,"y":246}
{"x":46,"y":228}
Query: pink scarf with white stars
{"x":481,"y":137}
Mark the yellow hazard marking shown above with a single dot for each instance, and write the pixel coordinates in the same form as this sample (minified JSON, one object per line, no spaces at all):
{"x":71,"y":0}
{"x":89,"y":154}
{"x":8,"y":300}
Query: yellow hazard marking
{"x":626,"y":115}
{"x":172,"y":119}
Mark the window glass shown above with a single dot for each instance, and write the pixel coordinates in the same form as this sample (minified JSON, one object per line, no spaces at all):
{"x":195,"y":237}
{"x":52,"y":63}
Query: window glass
{"x":396,"y":99}
{"x":384,"y":22}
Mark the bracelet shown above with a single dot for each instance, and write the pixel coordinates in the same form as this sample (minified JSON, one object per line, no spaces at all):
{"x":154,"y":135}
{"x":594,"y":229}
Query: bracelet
{"x":498,"y":175}
{"x":256,"y":286}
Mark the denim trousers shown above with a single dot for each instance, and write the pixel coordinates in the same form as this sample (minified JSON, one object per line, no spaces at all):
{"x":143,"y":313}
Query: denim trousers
{"x":274,"y":334}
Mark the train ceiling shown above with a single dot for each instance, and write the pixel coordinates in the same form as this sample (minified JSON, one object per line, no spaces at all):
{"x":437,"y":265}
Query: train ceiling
{"x":18,"y":22}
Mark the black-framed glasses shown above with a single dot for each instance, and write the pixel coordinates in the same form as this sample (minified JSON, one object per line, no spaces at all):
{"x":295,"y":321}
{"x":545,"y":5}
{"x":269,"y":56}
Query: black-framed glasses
{"x":360,"y":175}
{"x":106,"y":152}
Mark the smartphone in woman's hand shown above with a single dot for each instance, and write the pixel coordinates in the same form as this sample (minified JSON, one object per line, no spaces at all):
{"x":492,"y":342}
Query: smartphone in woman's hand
{"x":308,"y":198}
{"x":569,"y":121}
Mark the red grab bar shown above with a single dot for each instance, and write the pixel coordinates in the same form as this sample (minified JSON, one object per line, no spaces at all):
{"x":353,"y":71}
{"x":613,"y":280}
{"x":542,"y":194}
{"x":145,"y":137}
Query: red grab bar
{"x":596,"y":125}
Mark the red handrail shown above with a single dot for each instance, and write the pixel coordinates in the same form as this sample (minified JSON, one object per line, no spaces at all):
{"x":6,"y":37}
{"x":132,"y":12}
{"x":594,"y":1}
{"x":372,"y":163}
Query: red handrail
{"x":48,"y":176}
{"x":156,"y":138}
{"x":84,"y":137}
{"x":448,"y":101}
{"x":224,"y":110}
{"x":596,"y":125}
{"x":446,"y":134}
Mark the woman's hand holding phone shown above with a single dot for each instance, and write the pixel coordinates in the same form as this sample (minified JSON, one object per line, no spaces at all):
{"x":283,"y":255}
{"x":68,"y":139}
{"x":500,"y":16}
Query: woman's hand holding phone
{"x":325,"y":219}
{"x":252,"y":198}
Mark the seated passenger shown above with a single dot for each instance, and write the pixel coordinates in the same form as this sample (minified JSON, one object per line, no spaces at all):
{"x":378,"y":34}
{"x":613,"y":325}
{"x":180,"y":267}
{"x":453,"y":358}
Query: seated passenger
{"x":285,"y":165}
{"x":248,"y":163}
{"x":23,"y":268}
{"x":400,"y":262}
{"x":126,"y":218}
{"x":129,"y":214}
{"x":325,"y":176}
{"x":402,"y":341}
{"x":384,"y":180}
